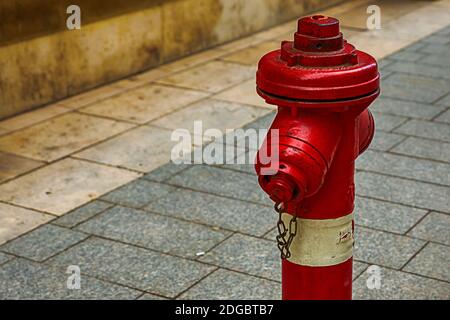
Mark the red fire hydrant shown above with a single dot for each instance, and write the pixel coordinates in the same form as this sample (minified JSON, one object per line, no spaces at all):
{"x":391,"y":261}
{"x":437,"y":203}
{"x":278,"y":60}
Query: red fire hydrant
{"x":322,"y":86}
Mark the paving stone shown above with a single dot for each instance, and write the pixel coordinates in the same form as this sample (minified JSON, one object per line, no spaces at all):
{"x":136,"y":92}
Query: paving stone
{"x":11,"y":166}
{"x":386,"y":249}
{"x":21,"y":279}
{"x":32,"y":117}
{"x":387,"y":122}
{"x":434,"y":227}
{"x":426,"y":129}
{"x":433,"y":261}
{"x":15,"y":221}
{"x":246,"y":254}
{"x":149,"y":296}
{"x":396,"y":285}
{"x":252,"y":135}
{"x":91,"y":96}
{"x":444,"y":32}
{"x":143,"y":104}
{"x":214,"y":114}
{"x":386,"y":216}
{"x":221,"y":182}
{"x":243,"y":93}
{"x":421,"y":69}
{"x":245,"y":168}
{"x":143,"y":149}
{"x":416,"y":46}
{"x":138,"y":193}
{"x":385,"y":73}
{"x":401,"y":166}
{"x":216,"y":211}
{"x":44,"y":242}
{"x":405,"y":108}
{"x":383,"y":63}
{"x":226,"y":74}
{"x":378,"y":43}
{"x":422,"y":148}
{"x":82,"y":213}
{"x":436,"y":59}
{"x":398,"y":190}
{"x":153,"y":231}
{"x":434,"y":49}
{"x":263,"y":122}
{"x":406,"y":55}
{"x":165,"y":171}
{"x":60,"y":136}
{"x":437,"y":39}
{"x":271,"y":235}
{"x":218,"y":152}
{"x":4,"y":257}
{"x":229,"y":285}
{"x":397,"y":91}
{"x":141,"y":78}
{"x":358,"y":268}
{"x":383,"y":141}
{"x":445,"y":117}
{"x":445,"y":101}
{"x":417,"y":88}
{"x":64,"y":185}
{"x":134,"y":267}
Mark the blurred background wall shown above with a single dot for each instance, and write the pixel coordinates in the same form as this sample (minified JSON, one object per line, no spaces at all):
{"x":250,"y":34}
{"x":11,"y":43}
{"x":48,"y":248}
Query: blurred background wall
{"x":41,"y":61}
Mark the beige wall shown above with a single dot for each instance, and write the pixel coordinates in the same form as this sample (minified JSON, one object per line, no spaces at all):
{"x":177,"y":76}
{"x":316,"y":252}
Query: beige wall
{"x":41,"y":61}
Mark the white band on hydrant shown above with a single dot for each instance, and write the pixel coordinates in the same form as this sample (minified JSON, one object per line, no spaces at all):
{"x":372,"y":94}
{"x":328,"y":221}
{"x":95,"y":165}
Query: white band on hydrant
{"x":325,"y":242}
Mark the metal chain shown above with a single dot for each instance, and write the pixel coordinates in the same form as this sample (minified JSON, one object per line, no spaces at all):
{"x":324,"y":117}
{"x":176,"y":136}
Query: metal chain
{"x":283,"y":243}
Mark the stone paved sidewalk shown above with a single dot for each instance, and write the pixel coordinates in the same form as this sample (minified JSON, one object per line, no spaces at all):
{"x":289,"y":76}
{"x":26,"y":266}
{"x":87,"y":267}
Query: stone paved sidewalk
{"x":141,"y":240}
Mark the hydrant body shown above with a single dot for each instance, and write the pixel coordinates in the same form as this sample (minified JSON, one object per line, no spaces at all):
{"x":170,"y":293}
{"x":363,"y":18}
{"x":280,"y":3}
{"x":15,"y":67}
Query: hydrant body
{"x":322,"y":87}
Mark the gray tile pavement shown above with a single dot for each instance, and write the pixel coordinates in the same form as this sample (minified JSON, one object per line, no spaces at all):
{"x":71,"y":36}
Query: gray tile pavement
{"x":154,"y":231}
{"x":433,"y":261}
{"x":43,"y":242}
{"x":4,"y":257}
{"x":384,"y":141}
{"x":425,"y":129}
{"x":205,"y":178}
{"x":434,"y":227}
{"x":23,"y":279}
{"x":424,"y":148}
{"x":225,"y":284}
{"x":405,"y":167}
{"x":386,"y":216}
{"x":231,"y":214}
{"x":398,"y":190}
{"x":247,"y":254}
{"x":408,"y":108}
{"x":398,"y":285}
{"x":138,"y":193}
{"x":385,"y":249}
{"x":133,"y":267}
{"x":82,"y":214}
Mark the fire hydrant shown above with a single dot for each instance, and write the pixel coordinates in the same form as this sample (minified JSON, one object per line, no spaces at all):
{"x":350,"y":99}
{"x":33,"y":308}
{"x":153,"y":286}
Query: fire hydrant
{"x":322,"y":86}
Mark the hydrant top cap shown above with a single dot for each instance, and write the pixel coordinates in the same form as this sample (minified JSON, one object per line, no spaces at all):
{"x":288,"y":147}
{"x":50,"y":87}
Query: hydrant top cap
{"x":319,"y":65}
{"x":318,"y":26}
